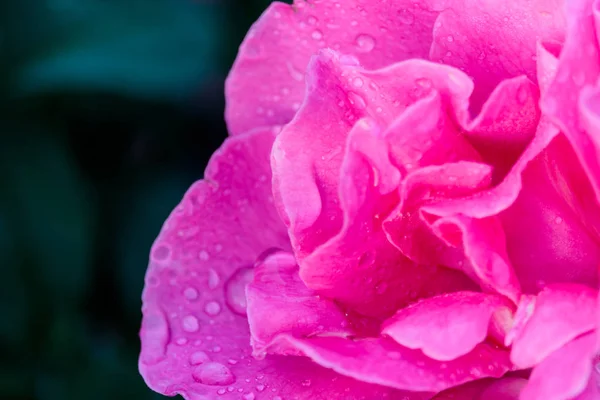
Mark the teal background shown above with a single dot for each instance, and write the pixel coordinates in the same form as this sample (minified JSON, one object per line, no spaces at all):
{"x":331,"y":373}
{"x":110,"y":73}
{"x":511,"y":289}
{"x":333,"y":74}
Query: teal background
{"x":109,"y":110}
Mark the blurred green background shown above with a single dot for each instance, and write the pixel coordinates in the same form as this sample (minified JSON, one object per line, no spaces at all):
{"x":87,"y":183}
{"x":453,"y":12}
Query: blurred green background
{"x":109,"y":110}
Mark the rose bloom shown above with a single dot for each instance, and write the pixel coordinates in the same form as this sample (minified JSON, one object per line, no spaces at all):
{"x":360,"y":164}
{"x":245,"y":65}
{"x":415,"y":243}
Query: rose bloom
{"x":407,"y":207}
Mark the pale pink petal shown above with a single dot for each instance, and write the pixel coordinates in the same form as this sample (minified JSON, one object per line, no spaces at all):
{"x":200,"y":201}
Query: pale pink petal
{"x":279,"y":302}
{"x":195,"y":338}
{"x":384,"y":362}
{"x":564,"y":374}
{"x":547,"y":63}
{"x":266,"y":84}
{"x":507,"y":388}
{"x":495,"y":40}
{"x":447,"y":326}
{"x":562,"y":312}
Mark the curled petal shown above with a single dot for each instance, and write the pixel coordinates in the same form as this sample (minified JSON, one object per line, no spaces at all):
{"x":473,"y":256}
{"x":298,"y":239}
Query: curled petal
{"x":561,"y":313}
{"x":564,"y":374}
{"x":448,"y":326}
{"x":266,"y":83}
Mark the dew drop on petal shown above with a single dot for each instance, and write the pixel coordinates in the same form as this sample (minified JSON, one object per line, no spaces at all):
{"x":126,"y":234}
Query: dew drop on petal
{"x":190,"y":323}
{"x":199,"y":357}
{"x":161,"y":253}
{"x":213,"y":279}
{"x":213,"y":373}
{"x":364,"y":42}
{"x":190,"y":293}
{"x":212,"y":308}
{"x":235,"y":290}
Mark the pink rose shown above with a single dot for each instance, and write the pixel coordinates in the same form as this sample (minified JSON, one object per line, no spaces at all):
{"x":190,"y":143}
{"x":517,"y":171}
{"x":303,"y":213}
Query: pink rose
{"x":407,"y":208}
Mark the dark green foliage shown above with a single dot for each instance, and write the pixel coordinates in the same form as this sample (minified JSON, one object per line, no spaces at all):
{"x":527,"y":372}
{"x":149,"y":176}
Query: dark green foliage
{"x":109,"y":110}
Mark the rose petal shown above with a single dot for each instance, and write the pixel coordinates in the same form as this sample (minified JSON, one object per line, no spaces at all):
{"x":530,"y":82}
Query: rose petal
{"x":384,"y":362}
{"x":266,"y":84}
{"x":565,"y":102}
{"x":562,"y":312}
{"x":308,"y":153}
{"x":506,"y":124}
{"x":279,"y":302}
{"x":564,"y":374}
{"x":358,"y":266}
{"x":485,"y":389}
{"x":445,"y":327}
{"x":495,"y":40}
{"x":195,"y":338}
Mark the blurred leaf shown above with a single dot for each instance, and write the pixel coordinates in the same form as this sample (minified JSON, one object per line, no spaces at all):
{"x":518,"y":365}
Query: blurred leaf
{"x":149,"y":48}
{"x":51,"y":212}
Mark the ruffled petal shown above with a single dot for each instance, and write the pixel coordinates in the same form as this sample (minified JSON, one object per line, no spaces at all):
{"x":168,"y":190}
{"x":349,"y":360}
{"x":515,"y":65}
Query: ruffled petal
{"x":266,"y":84}
{"x":448,"y":326}
{"x":495,"y":40}
{"x":195,"y":338}
{"x":279,"y":302}
{"x":564,"y":374}
{"x":561,"y":313}
{"x":384,"y":362}
{"x":507,"y":388}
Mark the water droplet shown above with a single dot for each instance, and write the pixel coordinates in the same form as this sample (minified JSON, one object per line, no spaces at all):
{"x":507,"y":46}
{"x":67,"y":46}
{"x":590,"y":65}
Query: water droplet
{"x":203,"y":255}
{"x":249,"y":396}
{"x":190,"y":323}
{"x":213,"y":279}
{"x":294,"y":72}
{"x":221,"y":391}
{"x":522,"y":94}
{"x":357,"y":100}
{"x":212,"y":308}
{"x":450,"y":38}
{"x":424,"y":83}
{"x":213,"y":373}
{"x":558,"y":220}
{"x":216,"y":349}
{"x":357,"y":82}
{"x":190,"y":293}
{"x":232,"y":361}
{"x":260,"y":387}
{"x":306,"y":382}
{"x":364,"y":42}
{"x":161,"y":253}
{"x":481,"y":56}
{"x":366,"y":259}
{"x":199,"y":357}
{"x":235,"y":290}
{"x":317,"y":34}
{"x":406,"y":16}
{"x":312,"y":20}
{"x":181,"y":341}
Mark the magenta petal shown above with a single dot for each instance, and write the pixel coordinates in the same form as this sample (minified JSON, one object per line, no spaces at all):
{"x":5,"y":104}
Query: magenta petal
{"x":578,"y":67}
{"x":279,"y":302}
{"x":495,"y":40}
{"x":266,"y":83}
{"x":195,"y":338}
{"x":562,"y":312}
{"x":563,"y":374}
{"x":445,"y":327}
{"x":384,"y":362}
{"x":507,"y":388}
{"x":359,"y":266}
{"x":506,"y":124}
